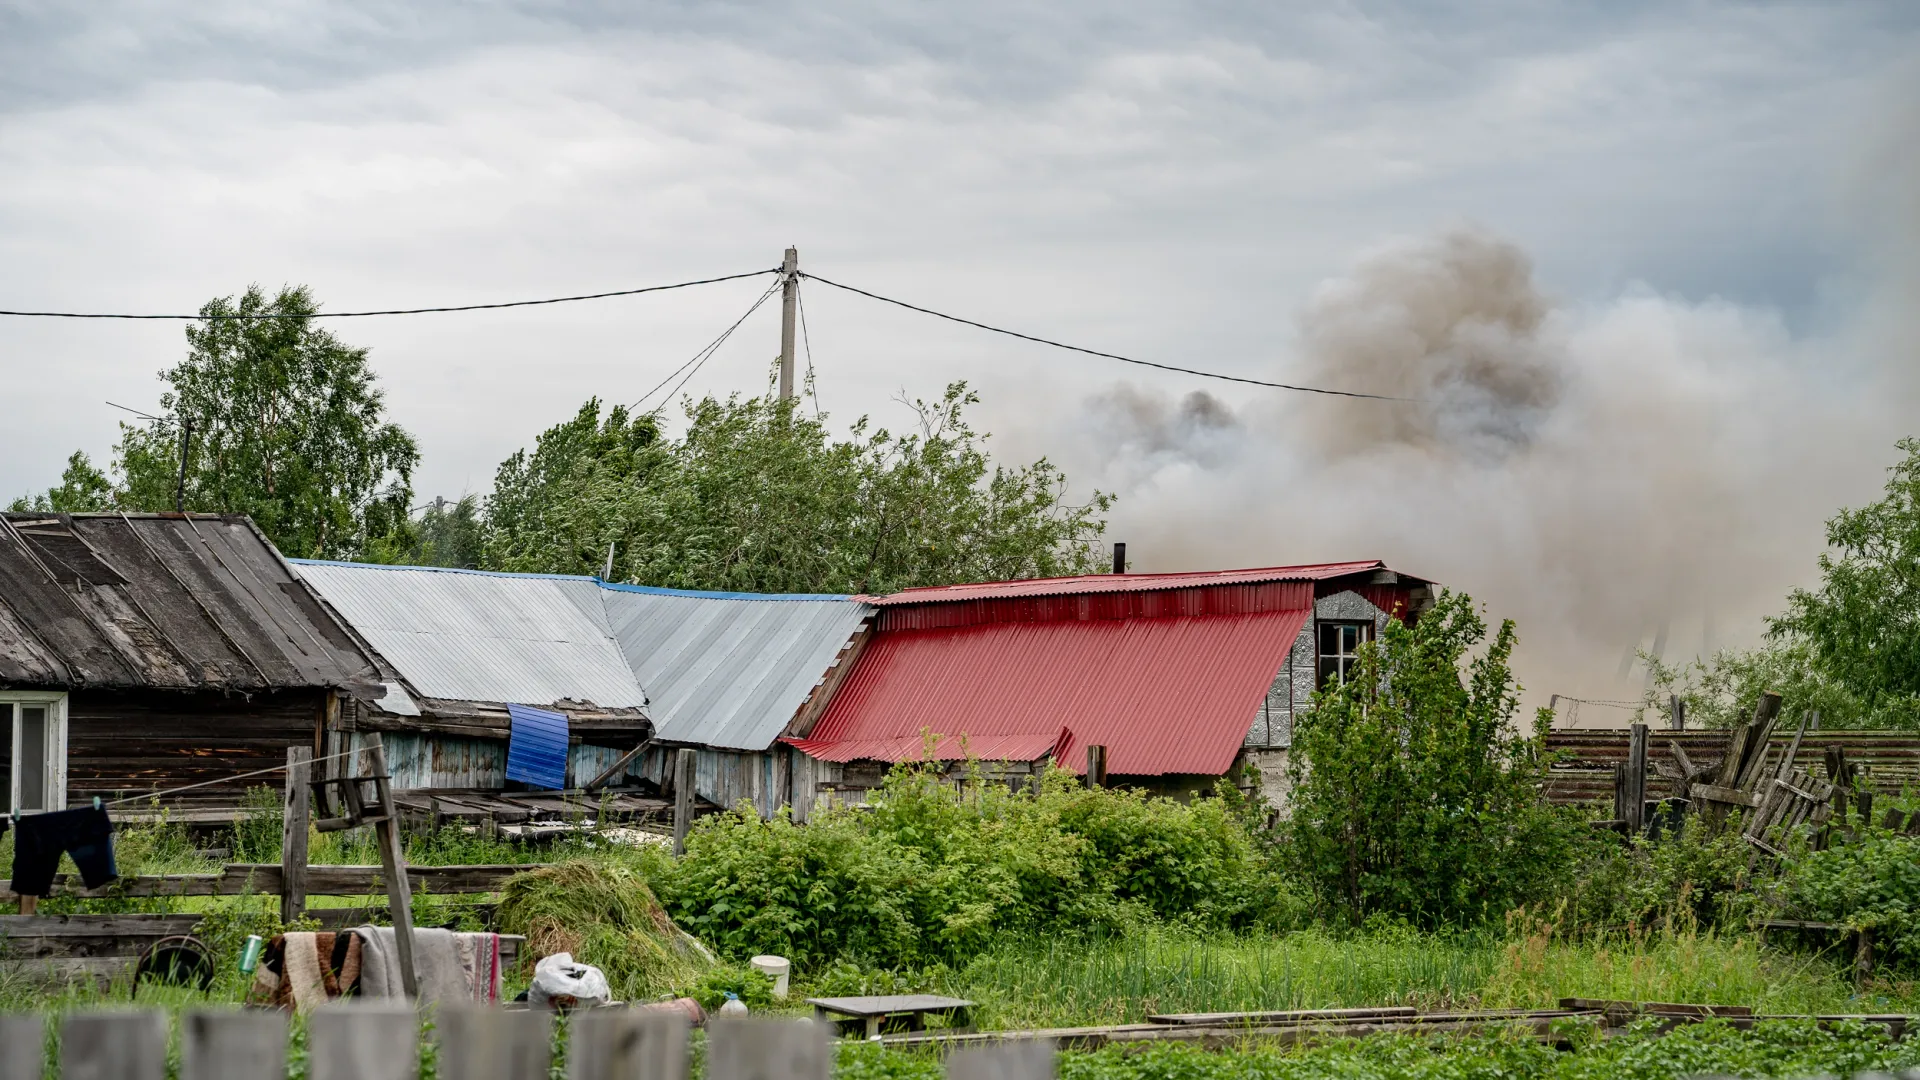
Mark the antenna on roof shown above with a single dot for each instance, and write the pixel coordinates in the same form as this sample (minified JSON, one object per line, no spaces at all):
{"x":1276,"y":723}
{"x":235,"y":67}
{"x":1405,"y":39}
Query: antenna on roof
{"x":1119,"y":558}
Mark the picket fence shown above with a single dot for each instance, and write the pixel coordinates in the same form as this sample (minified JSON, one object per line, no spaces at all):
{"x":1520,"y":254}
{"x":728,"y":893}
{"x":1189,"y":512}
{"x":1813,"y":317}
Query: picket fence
{"x":380,"y":1041}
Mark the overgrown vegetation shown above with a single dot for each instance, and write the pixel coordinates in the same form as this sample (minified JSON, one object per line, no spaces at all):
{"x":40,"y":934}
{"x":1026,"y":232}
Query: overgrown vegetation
{"x":1416,"y":796}
{"x":934,"y":872}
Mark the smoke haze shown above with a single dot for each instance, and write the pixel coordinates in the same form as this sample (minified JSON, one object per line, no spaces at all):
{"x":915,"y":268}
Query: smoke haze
{"x":1608,"y":475}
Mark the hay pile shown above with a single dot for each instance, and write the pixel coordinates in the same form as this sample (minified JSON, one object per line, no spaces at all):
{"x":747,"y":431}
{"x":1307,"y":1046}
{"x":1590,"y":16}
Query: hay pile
{"x":605,"y":916}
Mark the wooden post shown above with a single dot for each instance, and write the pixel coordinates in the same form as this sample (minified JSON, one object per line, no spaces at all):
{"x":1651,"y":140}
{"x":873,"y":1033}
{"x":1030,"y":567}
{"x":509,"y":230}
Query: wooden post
{"x":1679,"y":708}
{"x":122,"y":1044}
{"x":1620,"y":791}
{"x":625,"y":1044}
{"x":1096,"y":765}
{"x":789,"y":296}
{"x":293,"y":833}
{"x":393,"y":866}
{"x":1862,"y":957}
{"x":357,"y":1039}
{"x":683,"y":773}
{"x":23,"y":1046}
{"x":1636,"y":793}
{"x":222,"y":1044}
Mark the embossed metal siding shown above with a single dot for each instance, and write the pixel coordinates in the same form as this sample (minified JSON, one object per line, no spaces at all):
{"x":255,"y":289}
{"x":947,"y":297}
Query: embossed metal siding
{"x":470,"y":636}
{"x":1164,"y":695}
{"x":727,"y":670}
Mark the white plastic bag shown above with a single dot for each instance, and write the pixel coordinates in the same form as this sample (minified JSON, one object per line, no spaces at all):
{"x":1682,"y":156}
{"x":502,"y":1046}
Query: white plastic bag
{"x":558,"y":982}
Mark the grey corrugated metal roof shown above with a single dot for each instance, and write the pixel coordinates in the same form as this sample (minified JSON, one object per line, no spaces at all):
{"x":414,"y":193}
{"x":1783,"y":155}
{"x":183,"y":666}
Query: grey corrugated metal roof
{"x":472,"y":636}
{"x":177,"y":601}
{"x":728,"y":670}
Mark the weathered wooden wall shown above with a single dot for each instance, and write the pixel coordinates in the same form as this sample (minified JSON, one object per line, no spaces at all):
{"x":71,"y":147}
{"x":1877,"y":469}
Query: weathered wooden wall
{"x":124,"y":742}
{"x":426,"y":760}
{"x":1892,"y":758}
{"x":728,"y":777}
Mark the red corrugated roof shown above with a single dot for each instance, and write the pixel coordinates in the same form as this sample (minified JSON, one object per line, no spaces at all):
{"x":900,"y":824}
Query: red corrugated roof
{"x":1113,"y":583}
{"x":1164,"y":695}
{"x":1013,"y":746}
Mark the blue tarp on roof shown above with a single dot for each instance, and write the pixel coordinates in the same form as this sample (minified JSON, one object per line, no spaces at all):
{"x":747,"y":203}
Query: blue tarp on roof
{"x":537,"y":748}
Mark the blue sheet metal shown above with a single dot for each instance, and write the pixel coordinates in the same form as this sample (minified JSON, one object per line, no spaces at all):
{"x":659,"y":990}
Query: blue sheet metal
{"x":537,"y":748}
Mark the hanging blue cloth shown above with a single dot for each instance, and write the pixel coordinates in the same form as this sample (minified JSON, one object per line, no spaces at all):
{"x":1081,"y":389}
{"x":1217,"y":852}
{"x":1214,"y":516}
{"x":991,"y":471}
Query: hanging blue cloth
{"x":537,"y":748}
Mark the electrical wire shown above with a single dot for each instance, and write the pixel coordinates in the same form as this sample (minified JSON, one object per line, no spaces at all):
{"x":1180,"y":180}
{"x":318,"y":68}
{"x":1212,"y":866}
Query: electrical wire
{"x":401,"y":311}
{"x":813,"y":387}
{"x":223,"y":780}
{"x":1105,"y":355}
{"x":700,"y":358}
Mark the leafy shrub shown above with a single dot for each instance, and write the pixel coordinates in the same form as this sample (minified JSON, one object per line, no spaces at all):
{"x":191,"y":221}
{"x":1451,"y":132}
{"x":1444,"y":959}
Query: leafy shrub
{"x":1415,"y":795}
{"x":1695,"y":880}
{"x":932,"y":871}
{"x":1872,"y":883}
{"x":755,"y":988}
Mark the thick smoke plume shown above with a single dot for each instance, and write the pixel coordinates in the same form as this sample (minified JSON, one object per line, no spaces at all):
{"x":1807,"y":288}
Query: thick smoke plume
{"x":1648,"y":469}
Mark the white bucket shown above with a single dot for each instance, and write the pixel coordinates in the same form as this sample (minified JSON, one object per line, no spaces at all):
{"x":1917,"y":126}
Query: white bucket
{"x":776,"y":966}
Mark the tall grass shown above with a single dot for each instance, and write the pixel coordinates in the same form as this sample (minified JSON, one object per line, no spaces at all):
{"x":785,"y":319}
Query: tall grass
{"x":1121,"y":980}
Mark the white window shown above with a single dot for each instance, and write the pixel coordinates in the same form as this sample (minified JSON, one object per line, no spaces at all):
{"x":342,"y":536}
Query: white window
{"x":33,"y":731}
{"x":1339,"y":647}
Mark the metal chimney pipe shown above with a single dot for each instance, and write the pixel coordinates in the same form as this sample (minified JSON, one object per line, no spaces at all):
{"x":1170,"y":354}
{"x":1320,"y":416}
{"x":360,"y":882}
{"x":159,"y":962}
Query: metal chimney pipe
{"x":1119,"y":558}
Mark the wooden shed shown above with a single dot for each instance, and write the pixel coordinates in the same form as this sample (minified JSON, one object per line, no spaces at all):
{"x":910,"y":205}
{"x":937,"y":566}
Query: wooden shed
{"x":147,"y":651}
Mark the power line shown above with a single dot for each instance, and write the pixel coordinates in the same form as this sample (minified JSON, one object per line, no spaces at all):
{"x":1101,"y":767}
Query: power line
{"x":1106,"y":355}
{"x":400,"y":311}
{"x":813,"y":387}
{"x":700,"y":358}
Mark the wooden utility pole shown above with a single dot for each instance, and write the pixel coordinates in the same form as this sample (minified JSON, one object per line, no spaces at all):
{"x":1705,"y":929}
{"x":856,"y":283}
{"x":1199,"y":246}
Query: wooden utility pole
{"x":789,"y":300}
{"x":683,"y":762}
{"x":293,"y":834}
{"x":393,"y":866}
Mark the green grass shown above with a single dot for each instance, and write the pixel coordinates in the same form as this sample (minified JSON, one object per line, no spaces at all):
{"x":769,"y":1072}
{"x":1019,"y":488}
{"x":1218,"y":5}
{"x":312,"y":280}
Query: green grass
{"x":1063,"y":982}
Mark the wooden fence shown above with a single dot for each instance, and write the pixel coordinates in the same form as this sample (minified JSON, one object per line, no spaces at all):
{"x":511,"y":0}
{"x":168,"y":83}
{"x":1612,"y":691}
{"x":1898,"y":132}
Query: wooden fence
{"x":380,"y":1041}
{"x":1891,"y":760}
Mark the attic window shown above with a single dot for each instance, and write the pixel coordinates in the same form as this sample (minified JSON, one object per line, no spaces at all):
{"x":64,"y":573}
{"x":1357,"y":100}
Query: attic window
{"x":1339,"y":647}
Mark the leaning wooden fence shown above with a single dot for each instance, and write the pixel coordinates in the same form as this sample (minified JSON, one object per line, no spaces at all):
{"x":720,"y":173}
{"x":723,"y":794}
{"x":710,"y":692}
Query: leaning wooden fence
{"x":365,"y":1041}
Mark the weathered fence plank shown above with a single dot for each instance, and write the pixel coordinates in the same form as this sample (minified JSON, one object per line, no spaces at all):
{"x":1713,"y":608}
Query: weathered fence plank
{"x":478,"y":1043}
{"x":117,"y":1045}
{"x":1008,"y":1061}
{"x":760,"y":1048}
{"x":372,"y":1040}
{"x":627,"y":1044}
{"x":233,"y":1045}
{"x":23,"y":1046}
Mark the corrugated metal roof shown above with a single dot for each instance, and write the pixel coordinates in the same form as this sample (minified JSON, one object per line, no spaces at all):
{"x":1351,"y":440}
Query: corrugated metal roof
{"x":727,"y":670}
{"x":172,"y":601}
{"x":536,"y":639}
{"x":1164,"y":695}
{"x":1018,"y":746}
{"x":1113,"y":583}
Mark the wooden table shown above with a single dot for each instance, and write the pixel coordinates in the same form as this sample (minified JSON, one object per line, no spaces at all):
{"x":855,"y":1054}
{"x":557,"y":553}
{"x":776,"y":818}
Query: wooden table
{"x":866,"y":1015}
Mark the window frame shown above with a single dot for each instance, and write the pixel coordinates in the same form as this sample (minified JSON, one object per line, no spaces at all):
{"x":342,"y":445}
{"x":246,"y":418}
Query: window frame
{"x":56,"y":759}
{"x":1342,"y":661}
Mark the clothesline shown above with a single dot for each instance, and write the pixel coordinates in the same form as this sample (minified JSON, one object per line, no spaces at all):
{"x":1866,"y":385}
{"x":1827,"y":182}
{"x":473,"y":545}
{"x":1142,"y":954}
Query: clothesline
{"x":225,"y":779}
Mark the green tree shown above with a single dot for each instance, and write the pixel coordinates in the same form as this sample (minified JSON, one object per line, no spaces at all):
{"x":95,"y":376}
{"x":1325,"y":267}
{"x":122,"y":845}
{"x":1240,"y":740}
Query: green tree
{"x":287,"y":426}
{"x":556,"y":509}
{"x":756,"y":497}
{"x":447,"y":534}
{"x":1862,"y":625}
{"x":82,"y":489}
{"x":1416,"y":795}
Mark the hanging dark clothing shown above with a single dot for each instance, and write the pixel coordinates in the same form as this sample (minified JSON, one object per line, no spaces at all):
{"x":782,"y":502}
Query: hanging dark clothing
{"x":85,"y":834}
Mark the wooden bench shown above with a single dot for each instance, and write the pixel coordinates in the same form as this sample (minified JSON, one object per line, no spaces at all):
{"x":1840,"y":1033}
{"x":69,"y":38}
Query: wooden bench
{"x":867,"y":1015}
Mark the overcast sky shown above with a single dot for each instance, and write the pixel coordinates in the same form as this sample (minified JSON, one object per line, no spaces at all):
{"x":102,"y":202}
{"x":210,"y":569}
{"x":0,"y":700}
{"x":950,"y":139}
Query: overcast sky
{"x":1166,"y":181}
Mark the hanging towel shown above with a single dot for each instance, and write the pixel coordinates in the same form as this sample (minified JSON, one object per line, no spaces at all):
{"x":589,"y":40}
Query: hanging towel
{"x":302,"y":970}
{"x":436,"y":961}
{"x":85,"y":834}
